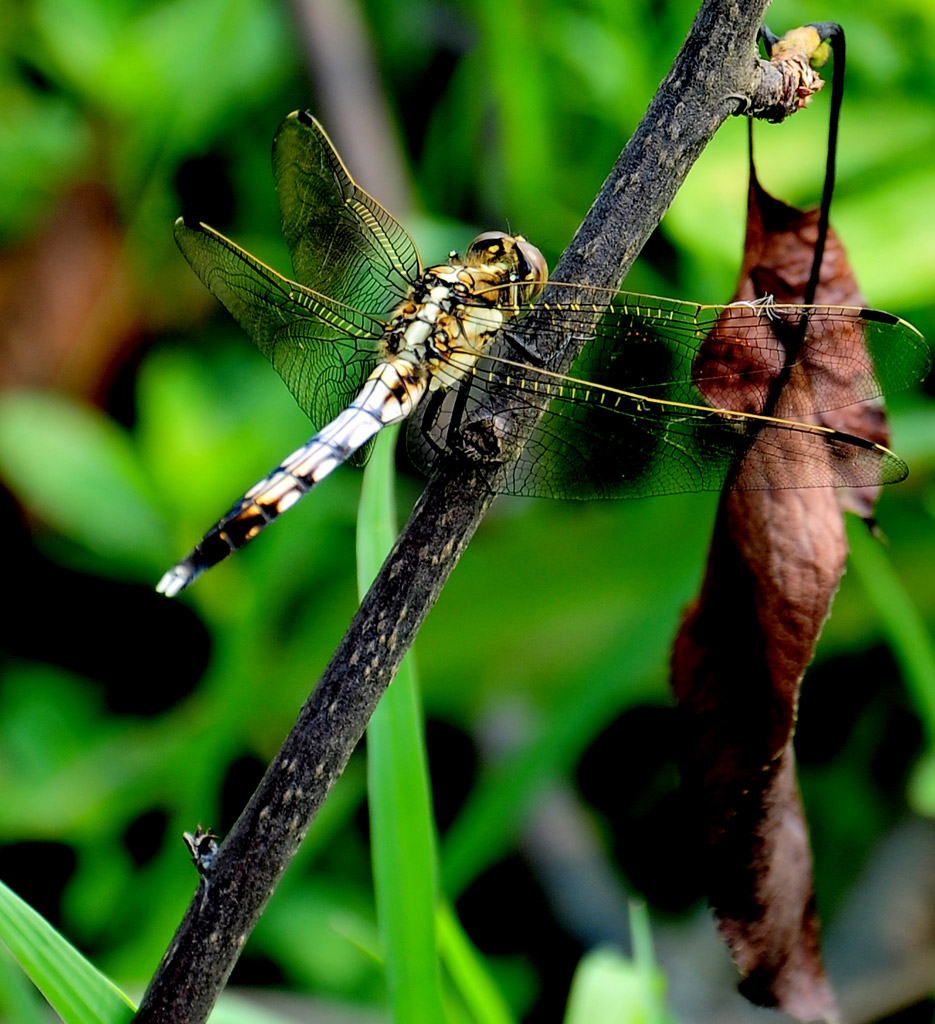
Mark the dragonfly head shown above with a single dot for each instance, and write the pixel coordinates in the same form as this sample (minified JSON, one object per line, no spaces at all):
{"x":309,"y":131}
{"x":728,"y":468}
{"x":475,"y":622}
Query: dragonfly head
{"x":515,"y":255}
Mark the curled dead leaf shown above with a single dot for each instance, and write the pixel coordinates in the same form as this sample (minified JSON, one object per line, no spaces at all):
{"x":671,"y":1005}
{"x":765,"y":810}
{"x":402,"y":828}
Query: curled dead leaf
{"x":775,"y":563}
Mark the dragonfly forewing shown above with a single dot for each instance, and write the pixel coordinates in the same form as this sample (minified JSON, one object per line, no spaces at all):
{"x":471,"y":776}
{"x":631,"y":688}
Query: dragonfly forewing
{"x":323,"y":349}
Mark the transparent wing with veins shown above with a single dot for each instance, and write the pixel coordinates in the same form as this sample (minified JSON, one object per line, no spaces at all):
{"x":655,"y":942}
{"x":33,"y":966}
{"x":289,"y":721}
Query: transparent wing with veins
{"x":667,"y":397}
{"x":323,"y":349}
{"x":342,"y":242}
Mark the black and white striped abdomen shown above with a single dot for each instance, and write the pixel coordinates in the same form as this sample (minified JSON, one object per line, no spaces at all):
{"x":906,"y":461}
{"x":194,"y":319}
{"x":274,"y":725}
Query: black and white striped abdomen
{"x":389,"y":395}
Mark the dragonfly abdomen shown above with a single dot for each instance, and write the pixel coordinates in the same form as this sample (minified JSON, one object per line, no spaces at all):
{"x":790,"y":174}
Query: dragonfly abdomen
{"x":389,"y":395}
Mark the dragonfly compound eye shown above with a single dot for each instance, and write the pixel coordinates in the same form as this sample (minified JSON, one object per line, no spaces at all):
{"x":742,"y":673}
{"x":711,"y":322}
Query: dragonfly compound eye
{"x":532,"y":267}
{"x":488,"y":247}
{"x":517,"y":255}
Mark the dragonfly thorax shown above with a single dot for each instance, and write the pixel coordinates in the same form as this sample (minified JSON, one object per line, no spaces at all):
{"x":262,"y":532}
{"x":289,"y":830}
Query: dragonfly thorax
{"x":454,"y":310}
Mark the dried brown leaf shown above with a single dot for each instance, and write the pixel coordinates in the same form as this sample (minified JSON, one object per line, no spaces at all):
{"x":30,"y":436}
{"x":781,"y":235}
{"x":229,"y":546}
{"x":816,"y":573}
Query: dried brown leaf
{"x":775,"y":563}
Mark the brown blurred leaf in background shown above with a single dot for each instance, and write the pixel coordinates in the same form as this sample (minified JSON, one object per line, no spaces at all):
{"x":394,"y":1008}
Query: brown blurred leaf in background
{"x":774,"y":566}
{"x":67,"y":308}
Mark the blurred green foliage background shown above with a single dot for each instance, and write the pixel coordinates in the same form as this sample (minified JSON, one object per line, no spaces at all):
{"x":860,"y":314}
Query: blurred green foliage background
{"x":133,"y":412}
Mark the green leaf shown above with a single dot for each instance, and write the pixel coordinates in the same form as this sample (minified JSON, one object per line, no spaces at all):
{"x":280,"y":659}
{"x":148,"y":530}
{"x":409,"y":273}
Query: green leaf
{"x":19,"y":999}
{"x":78,"y":471}
{"x":75,"y":988}
{"x":402,"y":830}
{"x":606,"y":990}
{"x":609,"y":988}
{"x":42,"y":144}
{"x":155,"y":67}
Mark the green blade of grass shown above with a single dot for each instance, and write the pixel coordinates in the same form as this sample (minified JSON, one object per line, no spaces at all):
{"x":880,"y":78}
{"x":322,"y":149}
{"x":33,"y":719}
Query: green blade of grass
{"x":910,"y":642}
{"x":483,"y":999}
{"x":75,"y":988}
{"x":402,"y":830}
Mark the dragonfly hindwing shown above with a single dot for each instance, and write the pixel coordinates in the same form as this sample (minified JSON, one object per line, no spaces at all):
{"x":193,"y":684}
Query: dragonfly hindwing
{"x":343,"y":243}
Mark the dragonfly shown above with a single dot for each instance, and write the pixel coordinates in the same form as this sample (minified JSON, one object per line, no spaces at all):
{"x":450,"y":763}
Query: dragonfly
{"x":666,"y":396}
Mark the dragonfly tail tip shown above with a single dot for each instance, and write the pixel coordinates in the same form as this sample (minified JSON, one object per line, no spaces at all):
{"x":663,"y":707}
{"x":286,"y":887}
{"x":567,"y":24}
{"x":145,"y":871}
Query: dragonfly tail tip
{"x":175,"y":580}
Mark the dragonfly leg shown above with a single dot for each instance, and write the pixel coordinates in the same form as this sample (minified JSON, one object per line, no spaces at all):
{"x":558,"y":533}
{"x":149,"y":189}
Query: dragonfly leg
{"x":477,"y":442}
{"x":429,"y":424}
{"x":453,"y":434}
{"x":428,"y":421}
{"x":527,"y":354}
{"x":472,"y":444}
